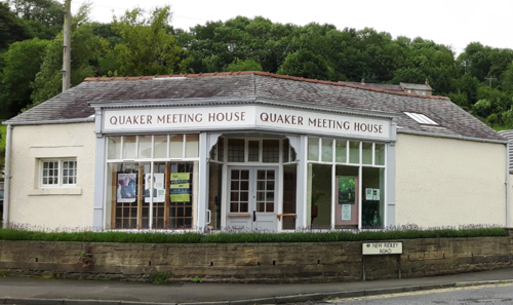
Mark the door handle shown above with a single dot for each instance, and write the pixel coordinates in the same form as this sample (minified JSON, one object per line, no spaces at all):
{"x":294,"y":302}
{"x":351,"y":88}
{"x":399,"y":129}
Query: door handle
{"x":254,"y":215}
{"x":209,"y":213}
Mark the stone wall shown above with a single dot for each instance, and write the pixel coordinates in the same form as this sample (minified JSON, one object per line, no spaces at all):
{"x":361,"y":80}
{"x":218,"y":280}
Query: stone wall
{"x":253,"y":262}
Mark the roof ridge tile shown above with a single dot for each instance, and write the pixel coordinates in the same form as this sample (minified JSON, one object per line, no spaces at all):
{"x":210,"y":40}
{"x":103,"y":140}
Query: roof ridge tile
{"x":263,"y":73}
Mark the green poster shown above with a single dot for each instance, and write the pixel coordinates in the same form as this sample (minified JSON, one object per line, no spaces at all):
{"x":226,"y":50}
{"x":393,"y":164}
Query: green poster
{"x":180,"y":177}
{"x":180,"y":187}
{"x":180,"y":198}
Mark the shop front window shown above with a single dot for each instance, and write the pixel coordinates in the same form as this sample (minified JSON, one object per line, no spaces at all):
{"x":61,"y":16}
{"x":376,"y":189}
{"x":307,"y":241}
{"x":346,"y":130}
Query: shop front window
{"x":346,"y":184}
{"x":153,"y":194}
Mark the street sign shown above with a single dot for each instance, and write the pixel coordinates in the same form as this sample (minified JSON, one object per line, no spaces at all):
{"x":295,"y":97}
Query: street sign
{"x":382,"y":248}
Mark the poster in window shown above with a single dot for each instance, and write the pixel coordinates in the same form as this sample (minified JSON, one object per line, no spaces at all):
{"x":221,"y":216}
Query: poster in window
{"x":127,"y":187}
{"x":158,"y":190}
{"x":369,"y":194}
{"x":180,"y":187}
{"x":346,"y":212}
{"x":375,"y":194}
{"x":346,"y":190}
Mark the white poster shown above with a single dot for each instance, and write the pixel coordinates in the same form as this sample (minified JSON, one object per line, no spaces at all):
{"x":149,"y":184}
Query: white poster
{"x":375,"y":194}
{"x":368,"y":194}
{"x":346,"y":212}
{"x":159,"y":192}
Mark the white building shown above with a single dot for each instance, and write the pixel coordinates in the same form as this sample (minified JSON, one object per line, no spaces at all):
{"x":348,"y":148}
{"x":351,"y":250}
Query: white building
{"x":251,"y":150}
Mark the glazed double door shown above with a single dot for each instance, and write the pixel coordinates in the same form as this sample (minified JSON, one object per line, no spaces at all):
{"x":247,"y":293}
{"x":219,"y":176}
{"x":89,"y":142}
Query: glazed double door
{"x":252,"y":198}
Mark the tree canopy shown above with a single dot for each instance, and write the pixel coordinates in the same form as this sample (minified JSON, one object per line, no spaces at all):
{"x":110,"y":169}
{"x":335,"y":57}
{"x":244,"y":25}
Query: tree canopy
{"x":480,"y":79}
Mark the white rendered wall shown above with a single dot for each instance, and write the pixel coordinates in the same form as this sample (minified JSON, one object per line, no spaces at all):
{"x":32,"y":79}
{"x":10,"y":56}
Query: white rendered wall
{"x":52,"y":208}
{"x":444,"y":182}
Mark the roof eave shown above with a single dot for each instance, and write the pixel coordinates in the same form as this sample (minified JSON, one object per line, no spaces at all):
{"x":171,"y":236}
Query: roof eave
{"x":242,"y":100}
{"x":89,"y":119}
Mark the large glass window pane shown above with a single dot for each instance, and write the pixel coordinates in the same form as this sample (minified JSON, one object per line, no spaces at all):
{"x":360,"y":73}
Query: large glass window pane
{"x":129,"y":147}
{"x":114,"y":148}
{"x":285,"y":150}
{"x":354,"y":152}
{"x":176,"y":146}
{"x":341,"y":154}
{"x":160,"y":147}
{"x":182,"y":194}
{"x":124,"y":183}
{"x":367,"y":153}
{"x":220,"y":149}
{"x":379,"y":157}
{"x":373,"y":197}
{"x":313,"y":149}
{"x":214,"y":197}
{"x":346,"y":197}
{"x":192,"y":146}
{"x":327,"y":150}
{"x":289,"y":196}
{"x":319,"y":196}
{"x":271,"y":151}
{"x":159,"y":194}
{"x":144,"y":150}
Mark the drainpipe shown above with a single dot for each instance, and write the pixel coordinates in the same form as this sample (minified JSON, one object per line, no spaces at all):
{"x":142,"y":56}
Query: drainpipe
{"x":7,"y":174}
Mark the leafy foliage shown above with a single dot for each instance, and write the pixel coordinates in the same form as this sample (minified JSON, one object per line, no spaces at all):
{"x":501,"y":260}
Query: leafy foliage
{"x":22,"y":63}
{"x":480,"y":79}
{"x":147,"y":48}
{"x":87,"y":49}
{"x":12,"y":29}
{"x":42,"y":18}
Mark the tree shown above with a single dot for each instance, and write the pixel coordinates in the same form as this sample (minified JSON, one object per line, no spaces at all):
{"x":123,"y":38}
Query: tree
{"x":87,"y":48}
{"x":22,"y":62}
{"x":246,"y":65}
{"x":147,"y":49}
{"x":11,"y":28}
{"x":43,"y":18}
{"x":304,"y":63}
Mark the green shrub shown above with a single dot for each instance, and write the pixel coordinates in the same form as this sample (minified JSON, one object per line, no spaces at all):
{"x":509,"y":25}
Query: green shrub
{"x":245,"y":237}
{"x":160,"y":277}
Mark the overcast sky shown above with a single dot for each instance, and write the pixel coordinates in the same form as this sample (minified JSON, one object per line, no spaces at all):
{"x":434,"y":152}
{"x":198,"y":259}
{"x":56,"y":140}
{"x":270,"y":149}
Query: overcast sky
{"x":450,"y":22}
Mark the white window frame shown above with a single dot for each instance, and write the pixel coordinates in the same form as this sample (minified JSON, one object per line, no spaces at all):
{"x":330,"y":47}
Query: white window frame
{"x":60,"y":169}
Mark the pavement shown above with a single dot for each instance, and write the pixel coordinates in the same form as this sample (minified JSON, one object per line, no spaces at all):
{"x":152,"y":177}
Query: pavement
{"x":21,"y":290}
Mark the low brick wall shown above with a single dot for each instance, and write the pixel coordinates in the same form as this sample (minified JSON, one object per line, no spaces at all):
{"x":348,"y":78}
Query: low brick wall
{"x":254,"y":262}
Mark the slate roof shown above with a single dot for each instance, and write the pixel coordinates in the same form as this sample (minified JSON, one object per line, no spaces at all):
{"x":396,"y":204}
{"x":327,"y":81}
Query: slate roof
{"x":74,"y":103}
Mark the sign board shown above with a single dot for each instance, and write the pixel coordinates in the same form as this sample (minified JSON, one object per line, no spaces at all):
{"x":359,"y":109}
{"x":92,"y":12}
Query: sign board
{"x":382,"y":248}
{"x":243,"y":117}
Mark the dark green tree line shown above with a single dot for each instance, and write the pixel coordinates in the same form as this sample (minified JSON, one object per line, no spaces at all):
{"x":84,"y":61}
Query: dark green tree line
{"x":144,"y":43}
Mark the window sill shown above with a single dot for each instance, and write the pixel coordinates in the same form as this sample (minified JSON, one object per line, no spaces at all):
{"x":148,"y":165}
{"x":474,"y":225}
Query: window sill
{"x":55,"y":191}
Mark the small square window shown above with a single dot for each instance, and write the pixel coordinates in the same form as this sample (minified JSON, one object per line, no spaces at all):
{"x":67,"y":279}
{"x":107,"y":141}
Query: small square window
{"x":58,"y":173}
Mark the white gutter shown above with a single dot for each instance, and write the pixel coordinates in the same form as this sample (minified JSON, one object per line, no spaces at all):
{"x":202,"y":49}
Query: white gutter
{"x":44,"y":122}
{"x":447,"y":136}
{"x":7,"y":174}
{"x":508,"y":203}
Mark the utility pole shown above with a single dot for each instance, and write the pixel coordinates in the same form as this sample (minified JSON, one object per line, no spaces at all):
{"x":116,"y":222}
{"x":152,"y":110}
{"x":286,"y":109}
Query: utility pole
{"x":66,"y":60}
{"x":490,"y":80}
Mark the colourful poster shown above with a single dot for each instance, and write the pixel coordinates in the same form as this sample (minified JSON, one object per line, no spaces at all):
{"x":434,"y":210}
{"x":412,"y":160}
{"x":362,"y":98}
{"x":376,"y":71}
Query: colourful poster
{"x":180,"y":187}
{"x":126,"y":188}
